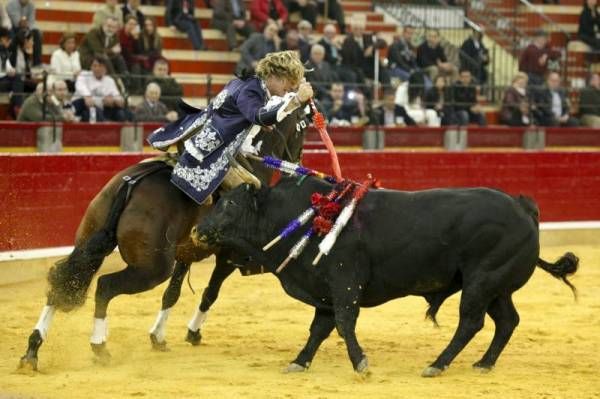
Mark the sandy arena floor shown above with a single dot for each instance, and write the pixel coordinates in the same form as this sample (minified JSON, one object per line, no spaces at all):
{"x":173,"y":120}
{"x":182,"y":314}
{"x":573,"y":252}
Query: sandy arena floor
{"x":254,"y":330}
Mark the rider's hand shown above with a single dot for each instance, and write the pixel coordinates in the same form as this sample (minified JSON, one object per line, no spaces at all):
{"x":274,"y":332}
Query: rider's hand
{"x":305,"y":91}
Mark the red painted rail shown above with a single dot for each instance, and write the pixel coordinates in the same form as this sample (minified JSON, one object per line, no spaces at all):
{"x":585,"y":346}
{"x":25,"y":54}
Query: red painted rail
{"x":45,"y":196}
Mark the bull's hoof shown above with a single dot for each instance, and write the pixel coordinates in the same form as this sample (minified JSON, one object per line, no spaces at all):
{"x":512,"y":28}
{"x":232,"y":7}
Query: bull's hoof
{"x":157,"y":345}
{"x":102,"y":354}
{"x":363,"y":366}
{"x":482,"y":367}
{"x":193,"y":337}
{"x":28,"y":363}
{"x":431,"y":372}
{"x":294,"y":368}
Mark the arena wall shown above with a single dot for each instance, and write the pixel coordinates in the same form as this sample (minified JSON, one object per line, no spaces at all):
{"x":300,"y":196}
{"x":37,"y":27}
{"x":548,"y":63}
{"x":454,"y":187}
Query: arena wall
{"x":44,"y":196}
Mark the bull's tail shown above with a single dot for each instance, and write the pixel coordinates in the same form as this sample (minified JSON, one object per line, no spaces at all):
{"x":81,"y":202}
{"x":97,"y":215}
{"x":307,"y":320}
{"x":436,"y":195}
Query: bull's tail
{"x":565,"y":266}
{"x":70,"y":278}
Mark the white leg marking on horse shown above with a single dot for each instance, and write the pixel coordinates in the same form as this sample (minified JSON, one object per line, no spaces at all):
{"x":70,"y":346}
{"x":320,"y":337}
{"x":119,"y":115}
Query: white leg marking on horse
{"x":100,"y":332}
{"x":197,"y":321}
{"x":159,"y":327}
{"x":44,"y":321}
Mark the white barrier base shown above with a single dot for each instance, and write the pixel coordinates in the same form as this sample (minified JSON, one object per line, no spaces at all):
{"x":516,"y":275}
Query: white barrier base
{"x":64,"y":251}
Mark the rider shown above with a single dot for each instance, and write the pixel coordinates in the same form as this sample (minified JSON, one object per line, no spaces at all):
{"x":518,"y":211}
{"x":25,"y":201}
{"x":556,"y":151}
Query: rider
{"x":211,"y":137}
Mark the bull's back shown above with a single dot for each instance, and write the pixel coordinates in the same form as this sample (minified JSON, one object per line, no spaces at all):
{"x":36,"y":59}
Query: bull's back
{"x":415,"y":241}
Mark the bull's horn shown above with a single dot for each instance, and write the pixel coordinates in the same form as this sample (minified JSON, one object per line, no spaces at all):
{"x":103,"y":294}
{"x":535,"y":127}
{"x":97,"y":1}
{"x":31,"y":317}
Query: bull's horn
{"x":238,"y":175}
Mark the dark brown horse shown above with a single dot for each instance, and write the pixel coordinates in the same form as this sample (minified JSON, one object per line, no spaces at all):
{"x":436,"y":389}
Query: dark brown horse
{"x":149,"y":219}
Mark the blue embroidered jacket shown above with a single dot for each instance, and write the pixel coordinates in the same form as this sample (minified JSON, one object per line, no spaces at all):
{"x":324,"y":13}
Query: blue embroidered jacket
{"x":218,"y":131}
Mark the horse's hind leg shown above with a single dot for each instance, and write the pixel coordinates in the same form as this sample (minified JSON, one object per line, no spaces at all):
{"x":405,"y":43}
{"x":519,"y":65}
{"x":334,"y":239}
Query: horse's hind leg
{"x":131,"y":280}
{"x":505,"y":316}
{"x":223,"y":269}
{"x":169,"y":299}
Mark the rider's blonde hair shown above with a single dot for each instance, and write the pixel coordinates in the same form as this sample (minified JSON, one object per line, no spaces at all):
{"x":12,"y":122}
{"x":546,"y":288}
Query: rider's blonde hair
{"x":283,"y":64}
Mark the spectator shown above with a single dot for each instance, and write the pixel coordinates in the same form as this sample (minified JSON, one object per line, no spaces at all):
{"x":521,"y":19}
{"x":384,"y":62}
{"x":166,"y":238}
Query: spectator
{"x":411,"y":95}
{"x":97,"y":93}
{"x":103,"y":41}
{"x":150,"y":44}
{"x":358,"y":53}
{"x":22,"y":17}
{"x":4,"y":19}
{"x":401,"y":55}
{"x":305,"y":31}
{"x":10,"y":81}
{"x":589,"y":24}
{"x":307,"y":9}
{"x":322,"y":75}
{"x":132,"y":7}
{"x":464,"y":93}
{"x":293,"y":42}
{"x":110,"y":9}
{"x":180,"y":16}
{"x":534,"y":59}
{"x":341,"y":111}
{"x":20,"y":56}
{"x":229,"y":16}
{"x":265,"y":11}
{"x":152,"y":109}
{"x":516,"y":109}
{"x":33,"y":108}
{"x":589,"y":102}
{"x":332,"y":45}
{"x":132,"y":53}
{"x":551,"y":104}
{"x":390,"y":114}
{"x":334,"y":11}
{"x":257,"y":46}
{"x":60,"y":99}
{"x":475,"y":57}
{"x":431,"y":57}
{"x":170,"y":89}
{"x":65,"y":63}
{"x":439,"y":99}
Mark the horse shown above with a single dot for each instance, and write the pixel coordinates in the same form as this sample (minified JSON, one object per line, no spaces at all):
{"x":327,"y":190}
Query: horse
{"x":150,"y":220}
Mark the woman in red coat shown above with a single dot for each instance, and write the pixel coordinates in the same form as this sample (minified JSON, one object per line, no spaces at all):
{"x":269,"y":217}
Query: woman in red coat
{"x":261,"y":11}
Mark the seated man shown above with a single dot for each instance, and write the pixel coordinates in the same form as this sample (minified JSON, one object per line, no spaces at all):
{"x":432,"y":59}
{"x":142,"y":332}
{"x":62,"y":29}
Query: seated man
{"x":343,"y":111}
{"x":390,"y":114}
{"x":179,"y":15}
{"x":401,"y":55}
{"x":322,"y":74}
{"x":464,"y":93}
{"x":229,"y":16}
{"x":60,"y":98}
{"x":432,"y":58}
{"x":33,"y":108}
{"x":152,"y":109}
{"x":589,"y":102}
{"x":551,"y":104}
{"x":97,"y":93}
{"x":171,"y":90}
{"x":22,"y":17}
{"x":257,"y":46}
{"x":10,"y":82}
{"x":103,"y":41}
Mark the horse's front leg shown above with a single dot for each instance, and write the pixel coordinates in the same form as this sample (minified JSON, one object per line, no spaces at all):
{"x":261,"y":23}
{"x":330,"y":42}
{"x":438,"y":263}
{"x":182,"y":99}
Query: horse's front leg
{"x":223,"y":269}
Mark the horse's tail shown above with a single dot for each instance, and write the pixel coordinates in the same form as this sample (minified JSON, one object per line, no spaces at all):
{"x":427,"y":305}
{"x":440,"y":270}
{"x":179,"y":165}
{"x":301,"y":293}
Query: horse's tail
{"x":70,"y":278}
{"x":565,"y":266}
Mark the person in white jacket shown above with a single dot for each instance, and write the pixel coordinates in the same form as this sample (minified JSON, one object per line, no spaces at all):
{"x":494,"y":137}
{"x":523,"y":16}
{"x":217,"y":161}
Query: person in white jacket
{"x":97,"y":93}
{"x":64,"y":62}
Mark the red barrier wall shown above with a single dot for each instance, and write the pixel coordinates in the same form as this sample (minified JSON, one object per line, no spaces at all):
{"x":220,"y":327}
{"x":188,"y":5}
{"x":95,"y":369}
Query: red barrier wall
{"x":44,"y":196}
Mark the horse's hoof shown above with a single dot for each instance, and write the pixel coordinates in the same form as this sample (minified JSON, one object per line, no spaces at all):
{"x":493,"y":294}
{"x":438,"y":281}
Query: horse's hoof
{"x":157,"y":345}
{"x":193,"y":337}
{"x":482,"y":368}
{"x":102,"y":354}
{"x":28,"y":363}
{"x":363,"y":366}
{"x":431,"y":372}
{"x":294,"y":368}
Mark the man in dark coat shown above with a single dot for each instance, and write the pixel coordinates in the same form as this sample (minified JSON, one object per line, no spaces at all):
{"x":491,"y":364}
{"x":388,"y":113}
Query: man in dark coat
{"x":257,"y":46}
{"x":103,"y":41}
{"x":390,"y":114}
{"x":589,"y":25}
{"x":229,"y":16}
{"x":322,"y":75}
{"x":551,"y":105}
{"x":358,"y":53}
{"x":466,"y":107}
{"x":589,"y":102}
{"x":170,"y":90}
{"x":475,"y":57}
{"x":402,"y":56}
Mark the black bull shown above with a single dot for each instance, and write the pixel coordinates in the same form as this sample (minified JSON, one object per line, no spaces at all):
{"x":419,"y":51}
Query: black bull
{"x":430,"y":243}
